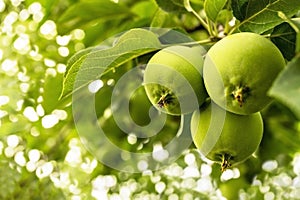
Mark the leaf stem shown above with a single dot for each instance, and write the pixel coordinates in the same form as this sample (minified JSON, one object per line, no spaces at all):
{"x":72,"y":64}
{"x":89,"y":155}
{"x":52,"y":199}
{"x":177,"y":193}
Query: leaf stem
{"x":286,"y":19}
{"x":189,"y":8}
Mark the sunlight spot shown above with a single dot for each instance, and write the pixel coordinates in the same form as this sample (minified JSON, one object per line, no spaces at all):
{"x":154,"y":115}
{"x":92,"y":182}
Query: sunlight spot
{"x":21,"y":29}
{"x":125,"y":192}
{"x":49,"y":121}
{"x":159,"y":153}
{"x":51,"y":72}
{"x":264,"y":188}
{"x":191,"y":172}
{"x":63,"y":51}
{"x":24,"y":87}
{"x":1,"y":54}
{"x":61,"y":68}
{"x":48,"y":29}
{"x":270,"y":165}
{"x":49,"y":62}
{"x":132,"y":139}
{"x":282,"y":180}
{"x":34,"y":132}
{"x":40,"y":110}
{"x":111,"y":82}
{"x":15,"y":3}
{"x":10,"y":66}
{"x":107,"y":113}
{"x":31,"y":166}
{"x":20,"y":159}
{"x":204,"y":185}
{"x":189,"y":183}
{"x":30,"y":114}
{"x":76,"y":197}
{"x":63,"y":40}
{"x":60,"y":114}
{"x":205,"y":170}
{"x":3,"y":113}
{"x":45,"y":170}
{"x":173,"y":197}
{"x":38,"y":16}
{"x":11,"y":18}
{"x":88,"y":166}
{"x":295,"y":194}
{"x":227,"y":175}
{"x":24,"y":15}
{"x":189,"y":159}
{"x":22,"y":77}
{"x":34,"y":155}
{"x":9,"y":152}
{"x":20,"y":104}
{"x":296,"y":180}
{"x":35,"y":54}
{"x":2,"y":6}
{"x":95,"y":86}
{"x":73,"y":156}
{"x":174,"y":170}
{"x":22,"y":44}
{"x":79,"y":46}
{"x":34,"y":8}
{"x":4,"y":100}
{"x":269,"y":196}
{"x":296,"y":164}
{"x":160,"y":187}
{"x":1,"y":147}
{"x":142,"y":165}
{"x":78,"y":34}
{"x":60,"y":180}
{"x":12,"y":141}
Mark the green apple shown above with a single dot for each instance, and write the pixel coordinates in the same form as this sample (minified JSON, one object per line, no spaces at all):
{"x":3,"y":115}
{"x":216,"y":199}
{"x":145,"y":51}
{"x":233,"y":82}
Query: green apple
{"x":173,"y":79}
{"x":240,"y":69}
{"x":225,"y":137}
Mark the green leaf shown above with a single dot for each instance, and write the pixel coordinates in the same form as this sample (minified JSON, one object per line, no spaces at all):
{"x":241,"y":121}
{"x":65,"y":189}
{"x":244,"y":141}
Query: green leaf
{"x":260,"y":15}
{"x":286,"y":87}
{"x":213,"y":7}
{"x":171,"y":5}
{"x":86,"y":13}
{"x":92,"y":65}
{"x":284,"y":37}
{"x":52,"y":91}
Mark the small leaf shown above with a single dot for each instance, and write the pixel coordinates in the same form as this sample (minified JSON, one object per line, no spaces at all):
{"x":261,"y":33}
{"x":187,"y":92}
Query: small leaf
{"x":286,"y":87}
{"x":260,"y":16}
{"x":92,"y":65}
{"x":284,"y":37}
{"x":213,"y":8}
{"x":86,"y":12}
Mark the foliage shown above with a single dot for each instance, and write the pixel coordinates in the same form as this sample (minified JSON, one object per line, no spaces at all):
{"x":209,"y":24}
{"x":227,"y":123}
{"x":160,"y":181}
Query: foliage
{"x":45,"y":46}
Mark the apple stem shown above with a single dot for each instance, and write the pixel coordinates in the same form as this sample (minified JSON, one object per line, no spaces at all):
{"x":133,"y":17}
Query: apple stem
{"x":225,"y":162}
{"x":240,"y":94}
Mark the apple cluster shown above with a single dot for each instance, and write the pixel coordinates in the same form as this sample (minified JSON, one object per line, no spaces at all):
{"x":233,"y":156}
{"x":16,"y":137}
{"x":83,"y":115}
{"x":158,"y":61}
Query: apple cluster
{"x":225,"y":89}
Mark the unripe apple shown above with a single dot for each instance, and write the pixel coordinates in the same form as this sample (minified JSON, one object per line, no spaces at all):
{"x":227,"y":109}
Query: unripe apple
{"x":240,"y":69}
{"x":173,"y":79}
{"x":226,"y":137}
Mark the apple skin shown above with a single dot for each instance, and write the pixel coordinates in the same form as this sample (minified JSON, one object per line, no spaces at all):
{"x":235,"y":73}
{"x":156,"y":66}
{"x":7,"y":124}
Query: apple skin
{"x":225,"y":137}
{"x":173,"y":79}
{"x":239,"y":70}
